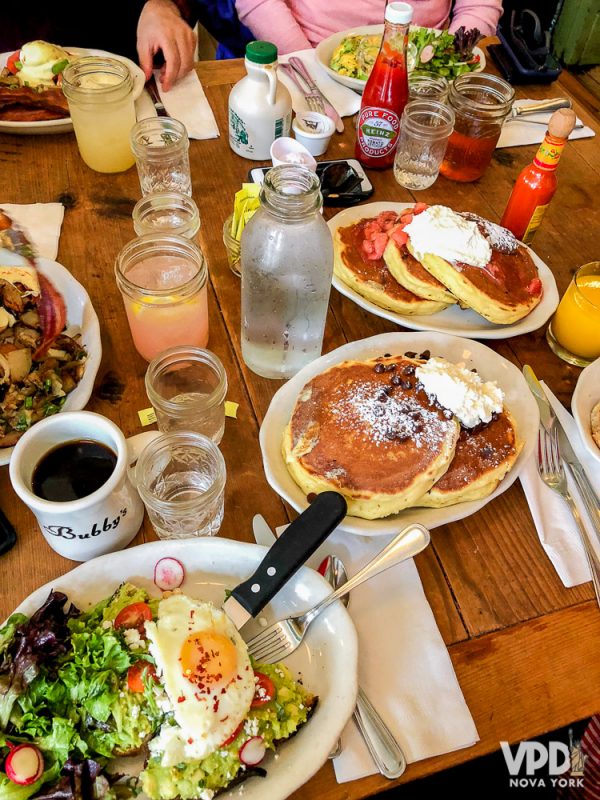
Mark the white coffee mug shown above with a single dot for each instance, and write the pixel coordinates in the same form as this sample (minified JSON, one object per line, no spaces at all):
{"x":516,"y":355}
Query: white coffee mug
{"x":105,"y":520}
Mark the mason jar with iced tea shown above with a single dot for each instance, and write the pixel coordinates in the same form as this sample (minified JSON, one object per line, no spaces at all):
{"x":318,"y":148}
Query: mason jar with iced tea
{"x":481,"y":102}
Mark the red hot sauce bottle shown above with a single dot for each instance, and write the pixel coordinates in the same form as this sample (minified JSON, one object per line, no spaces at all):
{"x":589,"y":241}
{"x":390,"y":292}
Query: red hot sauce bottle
{"x":535,"y":186}
{"x":386,"y":92}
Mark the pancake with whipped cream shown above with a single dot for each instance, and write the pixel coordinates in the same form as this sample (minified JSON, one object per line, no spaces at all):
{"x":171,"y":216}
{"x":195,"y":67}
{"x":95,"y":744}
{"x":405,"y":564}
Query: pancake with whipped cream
{"x":359,"y":263}
{"x":480,"y":263}
{"x":365,"y":429}
{"x":488,"y":445}
{"x":405,"y":268}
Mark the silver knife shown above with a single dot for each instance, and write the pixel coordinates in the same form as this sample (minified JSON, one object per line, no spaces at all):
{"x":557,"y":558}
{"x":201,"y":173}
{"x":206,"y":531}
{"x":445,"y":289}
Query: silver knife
{"x":552,"y":104}
{"x":262,"y":533}
{"x":293,"y":548}
{"x":549,"y":420}
{"x":300,"y":67}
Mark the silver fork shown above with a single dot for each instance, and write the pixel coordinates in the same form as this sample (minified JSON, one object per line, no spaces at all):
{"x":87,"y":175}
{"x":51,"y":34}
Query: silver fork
{"x":280,"y":639}
{"x":552,"y":472}
{"x":313,"y":100}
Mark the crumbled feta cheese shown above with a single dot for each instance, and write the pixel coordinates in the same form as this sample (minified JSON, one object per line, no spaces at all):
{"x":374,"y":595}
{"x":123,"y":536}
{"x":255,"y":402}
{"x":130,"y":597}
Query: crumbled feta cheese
{"x":107,"y":624}
{"x":251,"y":726}
{"x":206,"y":794}
{"x":132,"y":637}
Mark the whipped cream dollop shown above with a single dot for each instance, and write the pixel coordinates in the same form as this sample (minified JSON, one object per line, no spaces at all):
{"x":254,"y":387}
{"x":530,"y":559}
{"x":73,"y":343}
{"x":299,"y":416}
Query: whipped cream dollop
{"x":442,"y":232}
{"x":461,"y":391}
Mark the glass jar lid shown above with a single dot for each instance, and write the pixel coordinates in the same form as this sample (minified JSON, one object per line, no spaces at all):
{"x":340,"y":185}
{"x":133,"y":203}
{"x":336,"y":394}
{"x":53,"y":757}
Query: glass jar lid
{"x":481,"y":95}
{"x":96,"y":78}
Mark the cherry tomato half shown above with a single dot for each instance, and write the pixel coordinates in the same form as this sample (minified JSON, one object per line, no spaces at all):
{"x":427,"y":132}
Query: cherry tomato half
{"x":136,"y":673}
{"x":233,"y":736}
{"x":265,"y":690}
{"x":11,"y":62}
{"x":134,"y":616}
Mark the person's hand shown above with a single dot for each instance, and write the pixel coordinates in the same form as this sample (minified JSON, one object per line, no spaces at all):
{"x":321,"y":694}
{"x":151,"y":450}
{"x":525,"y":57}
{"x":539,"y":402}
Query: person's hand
{"x":160,"y":27}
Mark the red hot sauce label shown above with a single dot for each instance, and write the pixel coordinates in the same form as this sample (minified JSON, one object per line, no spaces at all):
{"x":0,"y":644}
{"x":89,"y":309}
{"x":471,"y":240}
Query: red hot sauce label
{"x":378,"y":131}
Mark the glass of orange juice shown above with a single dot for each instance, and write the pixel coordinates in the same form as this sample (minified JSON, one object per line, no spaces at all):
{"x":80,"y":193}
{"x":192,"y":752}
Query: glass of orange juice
{"x":574,"y":332}
{"x":162,"y":280}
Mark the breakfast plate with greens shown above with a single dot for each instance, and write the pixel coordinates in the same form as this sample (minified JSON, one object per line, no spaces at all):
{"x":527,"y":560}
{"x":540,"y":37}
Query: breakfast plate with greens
{"x":348,"y":56}
{"x":125,"y":676}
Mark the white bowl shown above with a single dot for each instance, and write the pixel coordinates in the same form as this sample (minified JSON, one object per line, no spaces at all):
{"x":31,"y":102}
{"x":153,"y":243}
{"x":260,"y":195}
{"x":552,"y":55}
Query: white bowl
{"x":313,"y":131}
{"x":585,"y":397}
{"x":286,"y":150}
{"x":326,"y":48}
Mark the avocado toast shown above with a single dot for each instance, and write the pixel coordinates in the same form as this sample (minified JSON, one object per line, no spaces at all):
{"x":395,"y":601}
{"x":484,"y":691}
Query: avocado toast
{"x":83,"y":688}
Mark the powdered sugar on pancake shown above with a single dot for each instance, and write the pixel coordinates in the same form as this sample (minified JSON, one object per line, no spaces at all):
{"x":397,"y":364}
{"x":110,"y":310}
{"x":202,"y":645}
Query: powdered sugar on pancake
{"x":387,"y":418}
{"x":500,"y":239}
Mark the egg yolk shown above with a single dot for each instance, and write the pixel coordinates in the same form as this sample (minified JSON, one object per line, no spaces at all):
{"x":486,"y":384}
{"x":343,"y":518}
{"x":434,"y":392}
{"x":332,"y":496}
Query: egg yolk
{"x":208,"y":659}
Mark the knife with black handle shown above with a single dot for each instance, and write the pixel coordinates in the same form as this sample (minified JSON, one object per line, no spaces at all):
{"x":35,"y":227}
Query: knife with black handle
{"x":291,"y":551}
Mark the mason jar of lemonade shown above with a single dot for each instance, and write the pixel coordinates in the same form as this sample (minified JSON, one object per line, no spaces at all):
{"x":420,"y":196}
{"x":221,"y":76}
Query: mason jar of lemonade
{"x":100,"y":96}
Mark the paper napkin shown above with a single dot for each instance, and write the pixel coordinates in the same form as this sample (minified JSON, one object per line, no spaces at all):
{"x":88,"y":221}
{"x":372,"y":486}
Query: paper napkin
{"x":187,"y":102}
{"x":556,"y":529}
{"x":516,"y":132}
{"x":345,"y":100}
{"x":42,"y":221}
{"x":403,"y":663}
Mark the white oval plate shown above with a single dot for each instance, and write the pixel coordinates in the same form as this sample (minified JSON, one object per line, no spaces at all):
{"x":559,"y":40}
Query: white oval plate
{"x":455,"y":320}
{"x":585,"y":397}
{"x":326,"y":661}
{"x":490,"y":366}
{"x":80,"y":312}
{"x":65,"y":125}
{"x":325,"y":49}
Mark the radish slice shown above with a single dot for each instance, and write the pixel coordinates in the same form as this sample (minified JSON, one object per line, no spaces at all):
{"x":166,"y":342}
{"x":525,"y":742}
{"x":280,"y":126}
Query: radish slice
{"x":168,"y":574}
{"x":253,"y":751}
{"x":24,"y":764}
{"x":427,"y":54}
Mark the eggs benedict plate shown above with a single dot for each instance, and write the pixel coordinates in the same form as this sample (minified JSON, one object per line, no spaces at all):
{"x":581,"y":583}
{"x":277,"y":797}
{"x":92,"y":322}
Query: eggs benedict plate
{"x":31,"y":100}
{"x":170,"y":695}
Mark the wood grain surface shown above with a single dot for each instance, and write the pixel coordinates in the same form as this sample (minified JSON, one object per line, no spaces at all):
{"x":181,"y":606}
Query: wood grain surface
{"x":525,"y":648}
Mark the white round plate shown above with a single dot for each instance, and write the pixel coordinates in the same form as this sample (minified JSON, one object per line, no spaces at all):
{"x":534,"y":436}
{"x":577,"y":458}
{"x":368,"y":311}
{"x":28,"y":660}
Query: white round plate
{"x":455,"y":320}
{"x":325,"y":49}
{"x":490,"y":366}
{"x":80,"y":313}
{"x":65,"y":125}
{"x":585,"y":397}
{"x":326,"y":661}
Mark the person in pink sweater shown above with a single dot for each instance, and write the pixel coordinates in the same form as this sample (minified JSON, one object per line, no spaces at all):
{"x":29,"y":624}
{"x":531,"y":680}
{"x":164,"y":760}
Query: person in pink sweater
{"x":299,"y":24}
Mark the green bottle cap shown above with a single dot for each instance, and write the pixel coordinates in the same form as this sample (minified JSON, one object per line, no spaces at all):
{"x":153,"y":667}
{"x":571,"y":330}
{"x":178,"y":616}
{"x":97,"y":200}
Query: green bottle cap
{"x":261,"y":52}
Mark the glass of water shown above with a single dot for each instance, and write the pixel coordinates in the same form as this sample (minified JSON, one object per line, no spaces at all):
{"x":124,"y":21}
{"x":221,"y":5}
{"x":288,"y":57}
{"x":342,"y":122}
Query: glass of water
{"x":424,"y":131}
{"x":161,"y":149}
{"x":181,"y":479}
{"x":187,"y":387}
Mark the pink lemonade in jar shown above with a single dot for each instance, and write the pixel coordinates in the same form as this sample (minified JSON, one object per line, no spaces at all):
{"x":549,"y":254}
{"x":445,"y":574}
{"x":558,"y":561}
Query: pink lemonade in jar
{"x":163,"y":284}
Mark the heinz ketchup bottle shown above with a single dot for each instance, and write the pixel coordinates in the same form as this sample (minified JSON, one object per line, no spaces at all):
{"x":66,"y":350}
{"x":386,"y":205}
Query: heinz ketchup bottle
{"x":386,"y":92}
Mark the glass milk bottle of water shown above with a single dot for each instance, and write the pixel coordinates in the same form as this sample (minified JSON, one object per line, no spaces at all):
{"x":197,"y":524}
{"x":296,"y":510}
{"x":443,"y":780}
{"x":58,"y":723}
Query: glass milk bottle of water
{"x":287,"y":265}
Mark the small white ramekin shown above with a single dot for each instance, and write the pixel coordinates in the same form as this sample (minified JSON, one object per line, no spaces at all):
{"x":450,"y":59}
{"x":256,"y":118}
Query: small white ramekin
{"x":313,"y":130}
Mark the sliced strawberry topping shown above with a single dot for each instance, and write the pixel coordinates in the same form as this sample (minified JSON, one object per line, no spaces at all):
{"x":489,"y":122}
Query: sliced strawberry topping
{"x":419,"y":207}
{"x":406,"y":218}
{"x":371,"y":228}
{"x":399,"y":236}
{"x":374,"y":247}
{"x":535,"y":287}
{"x":387,"y":219}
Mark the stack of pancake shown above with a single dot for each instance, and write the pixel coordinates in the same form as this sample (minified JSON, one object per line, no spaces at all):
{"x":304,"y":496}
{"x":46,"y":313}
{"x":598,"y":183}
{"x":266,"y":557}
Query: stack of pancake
{"x":368,"y":430}
{"x":374,"y":256}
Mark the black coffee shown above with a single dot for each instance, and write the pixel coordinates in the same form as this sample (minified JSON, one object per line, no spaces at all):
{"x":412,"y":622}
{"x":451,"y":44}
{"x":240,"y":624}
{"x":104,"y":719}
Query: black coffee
{"x":73,"y":470}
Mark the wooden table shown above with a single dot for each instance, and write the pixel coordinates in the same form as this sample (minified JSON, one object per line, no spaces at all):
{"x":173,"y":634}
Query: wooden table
{"x":525,"y":649}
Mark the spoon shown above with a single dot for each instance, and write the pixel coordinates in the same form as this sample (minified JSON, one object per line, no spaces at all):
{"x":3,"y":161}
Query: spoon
{"x":383,"y":747}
